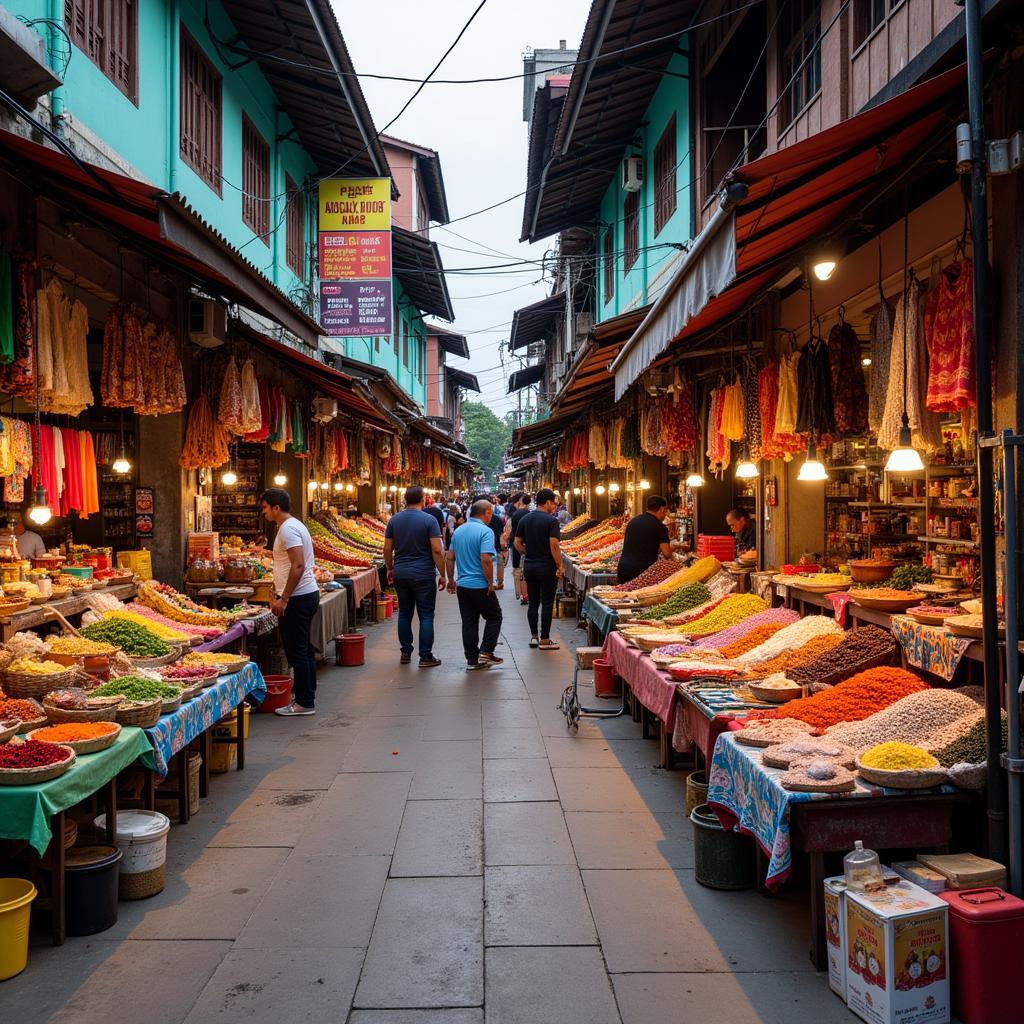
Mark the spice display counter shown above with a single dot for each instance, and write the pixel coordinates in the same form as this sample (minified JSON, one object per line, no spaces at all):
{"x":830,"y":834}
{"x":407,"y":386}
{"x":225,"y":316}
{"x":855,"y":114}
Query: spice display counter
{"x":70,"y":607}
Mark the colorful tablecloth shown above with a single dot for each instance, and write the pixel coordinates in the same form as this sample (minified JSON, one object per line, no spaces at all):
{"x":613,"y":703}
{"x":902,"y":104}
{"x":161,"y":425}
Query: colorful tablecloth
{"x":929,"y":648}
{"x":599,"y":615}
{"x":655,"y":689}
{"x":175,"y":731}
{"x":234,"y":632}
{"x":702,"y":715}
{"x":363,"y":584}
{"x":840,"y":602}
{"x":749,"y":797}
{"x":25,"y":811}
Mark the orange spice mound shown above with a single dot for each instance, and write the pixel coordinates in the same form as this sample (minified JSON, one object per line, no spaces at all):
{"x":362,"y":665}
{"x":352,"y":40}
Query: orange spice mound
{"x":754,"y":638}
{"x":70,"y":732}
{"x":814,"y":647}
{"x":854,"y":699}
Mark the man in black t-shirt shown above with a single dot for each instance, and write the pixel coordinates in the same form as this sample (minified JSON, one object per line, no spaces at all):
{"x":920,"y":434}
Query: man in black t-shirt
{"x":646,"y":538}
{"x":520,"y":507}
{"x":537,"y":541}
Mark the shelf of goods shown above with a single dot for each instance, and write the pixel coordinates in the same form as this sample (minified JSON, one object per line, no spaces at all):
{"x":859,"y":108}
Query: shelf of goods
{"x":117,"y":509}
{"x":236,"y":506}
{"x":69,"y":607}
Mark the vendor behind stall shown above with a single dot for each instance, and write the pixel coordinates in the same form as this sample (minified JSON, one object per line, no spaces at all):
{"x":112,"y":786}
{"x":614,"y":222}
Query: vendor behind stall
{"x":646,"y":538}
{"x":30,"y":544}
{"x":742,"y":526}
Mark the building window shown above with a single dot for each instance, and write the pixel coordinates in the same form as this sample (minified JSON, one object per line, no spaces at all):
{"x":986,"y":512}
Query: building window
{"x":608,"y":264}
{"x":630,"y":231}
{"x":867,"y":16}
{"x":405,"y":344}
{"x":665,"y":176}
{"x":396,"y":326}
{"x":295,"y":228}
{"x":255,"y":180}
{"x":107,"y":32}
{"x":200,"y":113}
{"x":800,"y":57}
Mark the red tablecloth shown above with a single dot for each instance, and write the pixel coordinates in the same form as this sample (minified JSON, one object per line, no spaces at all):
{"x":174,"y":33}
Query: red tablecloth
{"x":655,"y":689}
{"x":364,"y":584}
{"x":695,"y":729}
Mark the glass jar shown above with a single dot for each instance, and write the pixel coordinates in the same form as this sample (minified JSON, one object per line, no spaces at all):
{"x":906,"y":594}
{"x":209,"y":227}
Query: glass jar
{"x":863,"y":870}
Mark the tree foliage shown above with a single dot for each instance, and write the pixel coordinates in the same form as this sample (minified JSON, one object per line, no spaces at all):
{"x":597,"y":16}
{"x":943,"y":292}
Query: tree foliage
{"x":486,"y":436}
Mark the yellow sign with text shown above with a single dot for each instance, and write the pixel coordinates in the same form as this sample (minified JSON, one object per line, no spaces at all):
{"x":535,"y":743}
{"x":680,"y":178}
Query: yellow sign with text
{"x":355,"y":204}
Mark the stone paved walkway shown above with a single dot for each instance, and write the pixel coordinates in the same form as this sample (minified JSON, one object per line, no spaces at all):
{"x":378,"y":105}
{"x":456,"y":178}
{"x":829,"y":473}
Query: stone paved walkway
{"x":434,"y":848}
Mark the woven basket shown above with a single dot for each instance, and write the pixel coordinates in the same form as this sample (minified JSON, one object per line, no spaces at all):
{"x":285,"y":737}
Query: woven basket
{"x":142,"y":885}
{"x":145,"y":716}
{"x":166,"y":659}
{"x":92,"y":746}
{"x":168,"y":707}
{"x":9,"y":727}
{"x":33,"y":776}
{"x":26,"y":684}
{"x":906,"y":779}
{"x":107,"y":713}
{"x":13,"y":607}
{"x":194,"y":690}
{"x":777,"y":757}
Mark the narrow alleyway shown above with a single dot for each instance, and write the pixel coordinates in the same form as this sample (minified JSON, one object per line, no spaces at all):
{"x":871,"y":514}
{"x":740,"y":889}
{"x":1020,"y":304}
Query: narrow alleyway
{"x":434,"y":848}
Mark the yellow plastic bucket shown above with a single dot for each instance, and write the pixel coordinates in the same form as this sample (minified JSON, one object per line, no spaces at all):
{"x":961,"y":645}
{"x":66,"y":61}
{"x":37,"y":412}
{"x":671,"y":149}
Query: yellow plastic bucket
{"x":16,"y":896}
{"x":228,"y":724}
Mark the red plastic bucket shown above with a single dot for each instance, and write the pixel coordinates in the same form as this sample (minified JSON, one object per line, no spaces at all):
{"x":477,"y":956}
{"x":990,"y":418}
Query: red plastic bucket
{"x":350,"y":648}
{"x":605,"y":682}
{"x":279,"y":693}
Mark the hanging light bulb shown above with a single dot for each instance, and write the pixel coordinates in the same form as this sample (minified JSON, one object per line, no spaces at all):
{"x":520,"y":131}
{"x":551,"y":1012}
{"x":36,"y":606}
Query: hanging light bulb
{"x":645,"y":485}
{"x":393,"y":488}
{"x":695,"y":480}
{"x":613,"y":488}
{"x":349,"y":488}
{"x":311,"y":485}
{"x":229,"y":477}
{"x":866,"y":361}
{"x":325,"y":485}
{"x":813,"y":469}
{"x":576,"y":491}
{"x":824,"y":262}
{"x":40,"y":513}
{"x":599,"y":489}
{"x":280,"y":479}
{"x":121,"y":464}
{"x":746,"y":470}
{"x":904,"y":458}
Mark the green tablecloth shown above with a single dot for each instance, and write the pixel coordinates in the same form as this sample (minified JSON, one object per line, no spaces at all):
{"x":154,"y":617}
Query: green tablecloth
{"x":599,"y":615}
{"x":25,"y":811}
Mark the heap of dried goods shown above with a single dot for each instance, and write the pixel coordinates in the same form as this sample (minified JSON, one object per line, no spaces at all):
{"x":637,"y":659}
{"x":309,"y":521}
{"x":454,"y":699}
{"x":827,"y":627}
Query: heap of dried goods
{"x":860,"y":648}
{"x":733,"y":609}
{"x":789,"y":640}
{"x":686,"y":597}
{"x":31,"y":754}
{"x":853,"y":699}
{"x":73,"y":732}
{"x":894,"y":756}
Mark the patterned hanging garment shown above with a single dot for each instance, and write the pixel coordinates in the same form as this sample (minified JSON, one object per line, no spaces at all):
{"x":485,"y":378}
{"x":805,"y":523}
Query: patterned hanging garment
{"x":949,"y":333}
{"x":849,"y":390}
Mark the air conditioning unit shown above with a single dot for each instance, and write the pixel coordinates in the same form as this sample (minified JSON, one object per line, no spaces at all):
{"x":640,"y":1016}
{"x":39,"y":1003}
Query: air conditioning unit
{"x":536,"y":350}
{"x":584,"y":324}
{"x":632,"y":174}
{"x":324,"y":409}
{"x":207,"y":323}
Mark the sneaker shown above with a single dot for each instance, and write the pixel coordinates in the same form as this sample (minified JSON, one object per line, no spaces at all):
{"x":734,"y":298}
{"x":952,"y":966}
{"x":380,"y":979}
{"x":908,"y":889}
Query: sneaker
{"x":294,"y":711}
{"x":524,"y":601}
{"x":477,"y":666}
{"x":405,"y":659}
{"x":549,"y":645}
{"x":534,"y":642}
{"x":491,"y":657}
{"x":430,"y":662}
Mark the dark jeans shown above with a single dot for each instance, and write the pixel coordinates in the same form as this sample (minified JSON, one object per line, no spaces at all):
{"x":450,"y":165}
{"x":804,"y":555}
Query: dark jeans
{"x":295,"y":623}
{"x":419,"y":595}
{"x":476,"y":604}
{"x":541,"y":584}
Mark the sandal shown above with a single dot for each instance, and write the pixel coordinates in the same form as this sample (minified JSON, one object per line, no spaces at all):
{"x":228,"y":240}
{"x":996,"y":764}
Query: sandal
{"x":549,"y":645}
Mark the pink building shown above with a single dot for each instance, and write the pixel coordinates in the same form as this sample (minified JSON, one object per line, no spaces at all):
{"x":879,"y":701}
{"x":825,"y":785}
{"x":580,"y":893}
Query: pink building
{"x":416,"y":171}
{"x":445,"y":383}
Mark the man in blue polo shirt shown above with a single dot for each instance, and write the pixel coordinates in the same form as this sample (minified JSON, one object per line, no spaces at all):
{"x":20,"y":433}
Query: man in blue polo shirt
{"x":471,"y":559}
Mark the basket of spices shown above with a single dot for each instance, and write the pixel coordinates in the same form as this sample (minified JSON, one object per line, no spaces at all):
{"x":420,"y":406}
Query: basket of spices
{"x":13,"y":605}
{"x":897,"y":765}
{"x":885,"y":599}
{"x":806,"y":748}
{"x":82,"y":738}
{"x":80,"y":651}
{"x":30,"y":762}
{"x":141,"y":644}
{"x":143,"y":713}
{"x":819,"y":775}
{"x":8,"y":728}
{"x":225,"y":664}
{"x":27,"y":677}
{"x":767,"y":732}
{"x":143,"y":699}
{"x":776,"y":689}
{"x":30,"y":712}
{"x":78,"y":705}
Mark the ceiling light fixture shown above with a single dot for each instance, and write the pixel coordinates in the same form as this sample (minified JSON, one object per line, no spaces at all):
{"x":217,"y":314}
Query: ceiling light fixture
{"x":813,"y":470}
{"x":695,"y":480}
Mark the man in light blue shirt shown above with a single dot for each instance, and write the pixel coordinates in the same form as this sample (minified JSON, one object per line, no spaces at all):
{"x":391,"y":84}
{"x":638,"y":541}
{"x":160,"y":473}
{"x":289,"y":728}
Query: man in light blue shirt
{"x":471,"y":559}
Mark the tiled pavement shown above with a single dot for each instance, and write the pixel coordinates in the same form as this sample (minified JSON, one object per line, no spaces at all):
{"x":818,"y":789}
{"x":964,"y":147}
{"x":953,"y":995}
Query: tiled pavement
{"x":434,"y":848}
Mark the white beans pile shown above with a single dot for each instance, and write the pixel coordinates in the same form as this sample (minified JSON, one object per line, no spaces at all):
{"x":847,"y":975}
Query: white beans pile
{"x":912,"y":719}
{"x":789,"y":638}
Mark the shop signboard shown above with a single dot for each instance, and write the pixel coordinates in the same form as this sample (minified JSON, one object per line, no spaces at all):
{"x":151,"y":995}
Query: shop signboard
{"x":354,"y":230}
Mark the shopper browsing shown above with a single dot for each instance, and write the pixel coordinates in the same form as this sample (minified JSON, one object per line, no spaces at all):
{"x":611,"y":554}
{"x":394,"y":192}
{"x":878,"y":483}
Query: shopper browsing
{"x":297,"y":600}
{"x":520,"y":507}
{"x":537,"y":540}
{"x":471,"y":576}
{"x":646,"y":538}
{"x":412,"y":551}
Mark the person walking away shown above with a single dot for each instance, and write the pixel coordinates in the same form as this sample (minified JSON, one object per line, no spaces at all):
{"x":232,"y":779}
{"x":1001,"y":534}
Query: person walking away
{"x":537,"y":538}
{"x":497,"y":527}
{"x":521,"y":505}
{"x":646,"y":538}
{"x":297,"y":598}
{"x":412,"y":550}
{"x":432,"y":510}
{"x":471,"y":578}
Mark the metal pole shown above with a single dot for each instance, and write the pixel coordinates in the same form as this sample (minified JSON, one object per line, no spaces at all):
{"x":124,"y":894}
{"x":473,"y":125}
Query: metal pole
{"x":997,"y":786}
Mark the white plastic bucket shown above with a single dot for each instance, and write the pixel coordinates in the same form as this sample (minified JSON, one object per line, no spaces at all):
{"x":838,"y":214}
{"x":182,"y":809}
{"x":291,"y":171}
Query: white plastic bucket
{"x":142,"y":839}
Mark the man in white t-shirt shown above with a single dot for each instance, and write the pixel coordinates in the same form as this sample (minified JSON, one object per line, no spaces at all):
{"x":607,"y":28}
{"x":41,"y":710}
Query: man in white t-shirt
{"x":297,"y":597}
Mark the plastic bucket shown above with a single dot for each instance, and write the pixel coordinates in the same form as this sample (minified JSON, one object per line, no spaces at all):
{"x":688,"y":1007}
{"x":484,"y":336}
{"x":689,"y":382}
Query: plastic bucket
{"x":721,"y":860}
{"x":228,"y":725}
{"x":90,"y":895}
{"x":16,"y":896}
{"x":383,"y":609}
{"x":696,"y":790}
{"x":605,"y":682}
{"x":279,"y":693}
{"x":142,"y":839}
{"x":351,"y":648}
{"x":223,"y":757}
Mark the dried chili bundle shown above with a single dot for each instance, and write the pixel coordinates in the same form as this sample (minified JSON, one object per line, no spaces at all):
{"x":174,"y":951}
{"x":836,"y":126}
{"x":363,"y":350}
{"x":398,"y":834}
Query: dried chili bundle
{"x":206,"y":442}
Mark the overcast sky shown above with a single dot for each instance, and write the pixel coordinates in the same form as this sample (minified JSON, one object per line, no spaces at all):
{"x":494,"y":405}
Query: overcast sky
{"x":481,"y":137}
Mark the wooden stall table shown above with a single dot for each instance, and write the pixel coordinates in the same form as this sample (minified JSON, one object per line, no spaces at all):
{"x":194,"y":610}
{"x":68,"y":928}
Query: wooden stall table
{"x":704,"y":713}
{"x":35,"y":814}
{"x":69,"y":607}
{"x":581,"y":580}
{"x":749,"y":797}
{"x":600,"y":619}
{"x":331,"y":620}
{"x":358,"y":588}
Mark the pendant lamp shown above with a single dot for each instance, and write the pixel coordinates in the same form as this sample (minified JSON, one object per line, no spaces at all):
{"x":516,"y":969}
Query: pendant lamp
{"x":40,"y":513}
{"x":121,"y":465}
{"x":813,"y":469}
{"x":695,"y":480}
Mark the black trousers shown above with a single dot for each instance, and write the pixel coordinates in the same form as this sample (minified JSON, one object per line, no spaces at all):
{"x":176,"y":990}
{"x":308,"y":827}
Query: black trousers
{"x":541,"y":585}
{"x":295,"y":623}
{"x":476,"y":604}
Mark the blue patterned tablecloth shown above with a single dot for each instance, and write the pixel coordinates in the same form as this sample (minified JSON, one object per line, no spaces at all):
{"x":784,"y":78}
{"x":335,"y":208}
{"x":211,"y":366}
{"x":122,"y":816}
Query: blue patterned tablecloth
{"x":749,"y":797}
{"x":929,"y":648}
{"x":175,"y":731}
{"x":599,"y":615}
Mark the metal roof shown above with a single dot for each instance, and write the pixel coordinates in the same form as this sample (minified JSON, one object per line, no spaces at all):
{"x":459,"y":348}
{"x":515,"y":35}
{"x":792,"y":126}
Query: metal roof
{"x":534,"y":322}
{"x":428,"y":163}
{"x":299,"y":48}
{"x":547,"y":109}
{"x":462,"y":379}
{"x":451,"y":341}
{"x":524,"y":378}
{"x":417,"y":264}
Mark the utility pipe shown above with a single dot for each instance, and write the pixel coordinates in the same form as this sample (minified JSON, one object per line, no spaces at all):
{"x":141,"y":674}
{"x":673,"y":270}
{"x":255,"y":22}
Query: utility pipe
{"x":173,"y":48}
{"x":56,"y":37}
{"x":588,"y":70}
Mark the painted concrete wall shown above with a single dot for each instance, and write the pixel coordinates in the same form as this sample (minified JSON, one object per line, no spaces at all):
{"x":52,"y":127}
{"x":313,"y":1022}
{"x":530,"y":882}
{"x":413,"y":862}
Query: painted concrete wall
{"x":645,"y":279}
{"x":436,"y":405}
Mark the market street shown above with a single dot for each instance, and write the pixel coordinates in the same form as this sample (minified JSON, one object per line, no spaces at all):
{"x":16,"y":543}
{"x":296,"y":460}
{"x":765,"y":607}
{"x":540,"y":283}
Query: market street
{"x":433,"y":839}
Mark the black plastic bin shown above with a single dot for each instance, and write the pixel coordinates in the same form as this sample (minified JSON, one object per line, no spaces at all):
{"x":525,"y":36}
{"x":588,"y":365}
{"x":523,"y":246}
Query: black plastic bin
{"x":90,"y":893}
{"x":722,"y":860}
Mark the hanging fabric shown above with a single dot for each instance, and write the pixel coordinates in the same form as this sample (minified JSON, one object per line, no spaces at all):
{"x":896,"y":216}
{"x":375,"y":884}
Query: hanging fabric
{"x":788,"y":391}
{"x":949,"y":335}
{"x":90,"y":484}
{"x":230,"y":408}
{"x":849,"y":390}
{"x":815,"y":410}
{"x":8,"y":302}
{"x":881,"y":352}
{"x":731,"y":427}
{"x":749,"y":379}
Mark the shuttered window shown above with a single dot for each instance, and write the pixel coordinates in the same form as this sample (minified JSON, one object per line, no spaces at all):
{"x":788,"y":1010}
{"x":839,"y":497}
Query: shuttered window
{"x":255,"y":180}
{"x":295,"y":231}
{"x":608,"y":265}
{"x":107,"y":32}
{"x":665,"y":176}
{"x":200,"y":113}
{"x":630,"y":230}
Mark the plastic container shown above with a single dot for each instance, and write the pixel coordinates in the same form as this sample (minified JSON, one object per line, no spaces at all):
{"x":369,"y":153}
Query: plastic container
{"x":90,"y":900}
{"x":227,"y":726}
{"x":279,"y":693}
{"x":16,"y":896}
{"x":986,"y":928}
{"x":696,"y":790}
{"x":351,"y":648}
{"x":383,"y":609}
{"x":223,"y":757}
{"x":605,"y":682}
{"x":142,"y":839}
{"x":863,"y":870}
{"x":721,"y":860}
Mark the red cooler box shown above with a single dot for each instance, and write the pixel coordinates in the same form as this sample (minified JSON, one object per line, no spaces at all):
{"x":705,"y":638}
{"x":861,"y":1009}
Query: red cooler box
{"x":986,"y":934}
{"x":722,"y":548}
